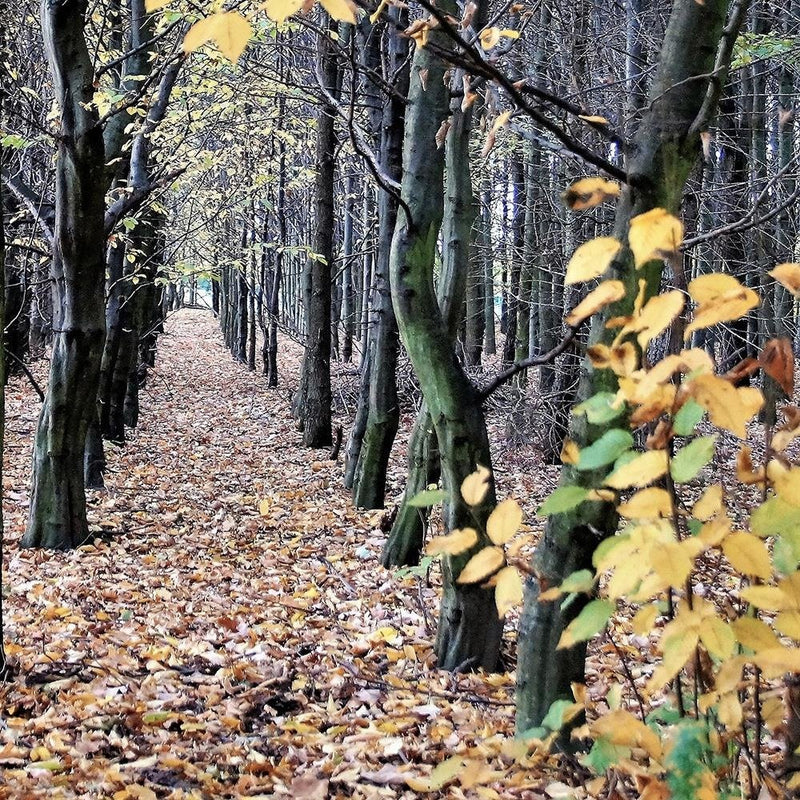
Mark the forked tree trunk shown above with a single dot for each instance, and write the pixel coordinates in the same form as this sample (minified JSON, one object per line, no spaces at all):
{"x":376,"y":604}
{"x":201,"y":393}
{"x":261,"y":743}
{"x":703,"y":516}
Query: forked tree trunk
{"x":58,"y":502}
{"x":469,"y":628}
{"x":665,"y":149}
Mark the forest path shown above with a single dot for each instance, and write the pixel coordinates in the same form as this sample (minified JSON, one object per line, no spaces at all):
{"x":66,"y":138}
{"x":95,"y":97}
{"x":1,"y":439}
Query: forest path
{"x":230,"y":632}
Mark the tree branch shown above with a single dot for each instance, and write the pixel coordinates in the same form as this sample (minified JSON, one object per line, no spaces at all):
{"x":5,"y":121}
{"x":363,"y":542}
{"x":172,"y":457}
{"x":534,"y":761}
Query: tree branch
{"x":533,"y":361}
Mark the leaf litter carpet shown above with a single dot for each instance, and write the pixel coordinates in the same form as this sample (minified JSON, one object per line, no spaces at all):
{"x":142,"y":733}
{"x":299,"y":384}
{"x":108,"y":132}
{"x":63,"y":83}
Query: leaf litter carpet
{"x":229,"y":631}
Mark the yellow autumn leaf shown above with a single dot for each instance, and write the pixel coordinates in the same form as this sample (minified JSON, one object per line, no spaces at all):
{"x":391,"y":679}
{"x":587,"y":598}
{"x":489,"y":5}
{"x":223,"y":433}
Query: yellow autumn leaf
{"x":489,"y":37}
{"x":729,"y":711}
{"x":748,"y":554}
{"x":717,"y":637}
{"x":654,"y":234}
{"x":570,"y":452}
{"x":482,"y":565}
{"x":343,"y":10}
{"x":453,"y":543}
{"x":507,"y":590}
{"x":777,"y":660}
{"x":728,"y":407}
{"x":709,"y":504}
{"x":595,"y":118}
{"x":677,"y":650}
{"x":229,"y":30}
{"x":642,"y":470}
{"x":788,"y":276}
{"x":646,"y":504}
{"x":788,"y":623}
{"x":475,"y":486}
{"x":786,"y":481}
{"x":768,"y":598}
{"x":607,"y":292}
{"x":153,"y":5}
{"x":591,"y":259}
{"x":671,"y":562}
{"x":644,"y":620}
{"x":589,"y":192}
{"x":501,"y":121}
{"x":720,"y":298}
{"x":280,"y":10}
{"x":654,"y":317}
{"x":504,"y":521}
{"x":620,"y":727}
{"x":754,"y":633}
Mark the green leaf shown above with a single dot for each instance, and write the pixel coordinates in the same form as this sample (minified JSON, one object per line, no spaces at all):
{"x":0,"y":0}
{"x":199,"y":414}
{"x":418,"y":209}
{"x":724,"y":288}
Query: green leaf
{"x":604,"y":755}
{"x":564,"y":498}
{"x":687,"y":462}
{"x":554,"y":719}
{"x":598,"y":408}
{"x":606,"y":450}
{"x":590,"y":621}
{"x":427,"y":498}
{"x":776,"y":517}
{"x":785,"y":555}
{"x":580,"y":581}
{"x":687,"y":418}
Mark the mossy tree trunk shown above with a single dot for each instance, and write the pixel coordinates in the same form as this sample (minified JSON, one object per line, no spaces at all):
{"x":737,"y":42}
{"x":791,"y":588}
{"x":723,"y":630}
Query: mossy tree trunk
{"x":665,"y":149}
{"x":469,"y":628}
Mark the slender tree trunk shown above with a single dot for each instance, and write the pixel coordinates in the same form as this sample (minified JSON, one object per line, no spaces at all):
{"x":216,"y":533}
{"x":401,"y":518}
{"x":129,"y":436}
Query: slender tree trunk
{"x":314,"y":401}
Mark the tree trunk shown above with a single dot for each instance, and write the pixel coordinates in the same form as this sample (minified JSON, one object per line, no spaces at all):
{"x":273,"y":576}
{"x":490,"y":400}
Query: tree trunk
{"x":665,"y":149}
{"x":58,"y":503}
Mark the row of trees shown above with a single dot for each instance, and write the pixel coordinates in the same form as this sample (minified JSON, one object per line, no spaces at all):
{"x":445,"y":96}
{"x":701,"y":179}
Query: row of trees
{"x":427,"y":210}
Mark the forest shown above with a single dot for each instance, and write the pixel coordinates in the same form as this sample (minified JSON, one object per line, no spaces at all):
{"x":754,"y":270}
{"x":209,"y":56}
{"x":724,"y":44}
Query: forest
{"x":397,"y":399}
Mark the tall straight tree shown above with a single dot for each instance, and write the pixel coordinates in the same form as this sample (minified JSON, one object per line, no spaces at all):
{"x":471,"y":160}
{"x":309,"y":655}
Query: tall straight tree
{"x":77,"y":272}
{"x":313,"y":403}
{"x":683,"y":98}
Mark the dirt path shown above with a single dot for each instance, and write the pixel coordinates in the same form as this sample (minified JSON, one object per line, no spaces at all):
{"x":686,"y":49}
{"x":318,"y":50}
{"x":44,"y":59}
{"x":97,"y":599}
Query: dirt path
{"x":229,"y":633}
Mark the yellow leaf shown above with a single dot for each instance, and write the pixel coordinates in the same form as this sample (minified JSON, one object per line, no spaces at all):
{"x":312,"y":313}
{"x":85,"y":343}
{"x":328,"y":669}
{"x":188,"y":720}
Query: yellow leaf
{"x":728,"y":407}
{"x":677,"y":651}
{"x":785,"y":481}
{"x":343,"y":10}
{"x":153,"y":5}
{"x":229,"y":30}
{"x":501,"y":121}
{"x":754,"y":633}
{"x":475,"y":486}
{"x":671,"y":562}
{"x":768,"y":598}
{"x":489,"y":37}
{"x":570,"y":453}
{"x":656,"y":316}
{"x":777,"y":660}
{"x":281,"y":10}
{"x":788,"y":623}
{"x":596,"y":118}
{"x":590,"y":192}
{"x":654,"y":234}
{"x":136,"y":790}
{"x":606,"y":293}
{"x":721,"y":298}
{"x":729,"y":710}
{"x":644,"y":620}
{"x":622,"y":728}
{"x":788,"y":276}
{"x":709,"y":504}
{"x":718,"y":638}
{"x":748,"y":555}
{"x":507,"y":590}
{"x":591,"y":259}
{"x":504,"y":521}
{"x":642,"y":470}
{"x":481,"y":565}
{"x":646,"y":504}
{"x":456,"y":542}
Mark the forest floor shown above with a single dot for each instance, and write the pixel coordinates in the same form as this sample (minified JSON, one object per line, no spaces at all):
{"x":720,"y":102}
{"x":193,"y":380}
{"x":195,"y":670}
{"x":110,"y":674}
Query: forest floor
{"x":229,"y":632}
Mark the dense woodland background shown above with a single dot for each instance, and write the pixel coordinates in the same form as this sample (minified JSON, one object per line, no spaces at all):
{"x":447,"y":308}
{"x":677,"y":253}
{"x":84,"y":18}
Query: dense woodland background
{"x":394,"y":193}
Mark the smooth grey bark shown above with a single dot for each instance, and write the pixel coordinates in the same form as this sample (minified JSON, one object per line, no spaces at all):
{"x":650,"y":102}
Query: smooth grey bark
{"x":666,"y":147}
